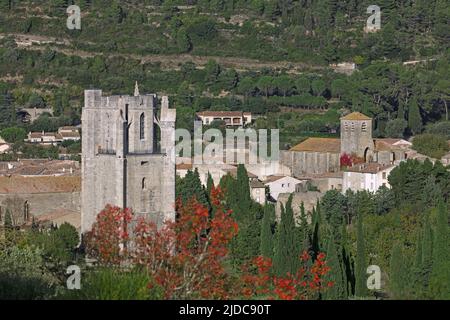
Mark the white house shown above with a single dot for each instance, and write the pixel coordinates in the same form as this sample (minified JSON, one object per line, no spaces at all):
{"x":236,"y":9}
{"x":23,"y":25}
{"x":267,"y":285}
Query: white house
{"x":44,"y":138}
{"x":231,"y":118}
{"x":281,"y":184}
{"x":366,"y":176}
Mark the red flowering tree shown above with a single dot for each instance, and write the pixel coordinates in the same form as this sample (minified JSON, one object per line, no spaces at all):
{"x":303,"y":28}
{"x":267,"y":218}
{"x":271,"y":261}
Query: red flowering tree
{"x":345,"y":160}
{"x":108,"y":237}
{"x":305,"y":284}
{"x":184,"y":257}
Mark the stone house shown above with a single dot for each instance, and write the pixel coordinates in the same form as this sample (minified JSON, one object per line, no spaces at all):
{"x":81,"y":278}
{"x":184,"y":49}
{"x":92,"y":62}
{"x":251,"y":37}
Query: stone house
{"x":366,"y":176}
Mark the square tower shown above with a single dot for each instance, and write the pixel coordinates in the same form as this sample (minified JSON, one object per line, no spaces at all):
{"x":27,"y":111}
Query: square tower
{"x":356,"y":135}
{"x":122,"y":163}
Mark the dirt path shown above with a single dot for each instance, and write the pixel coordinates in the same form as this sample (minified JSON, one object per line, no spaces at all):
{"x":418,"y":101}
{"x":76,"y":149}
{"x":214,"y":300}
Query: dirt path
{"x":168,"y":62}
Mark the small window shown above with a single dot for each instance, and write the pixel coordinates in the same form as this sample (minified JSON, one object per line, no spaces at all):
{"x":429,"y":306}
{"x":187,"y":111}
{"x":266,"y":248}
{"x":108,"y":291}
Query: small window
{"x":384,"y":175}
{"x":142,"y":127}
{"x":364,"y":127}
{"x":144,"y":184}
{"x":353,"y":126}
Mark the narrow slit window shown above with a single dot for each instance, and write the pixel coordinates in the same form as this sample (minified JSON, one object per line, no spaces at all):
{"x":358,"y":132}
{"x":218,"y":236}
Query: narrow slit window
{"x":142,"y":127}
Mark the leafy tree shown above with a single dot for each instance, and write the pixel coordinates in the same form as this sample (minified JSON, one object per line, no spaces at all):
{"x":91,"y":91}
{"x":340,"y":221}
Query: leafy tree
{"x":318,"y":87}
{"x":13,"y":134}
{"x":431,"y":145}
{"x":396,"y":128}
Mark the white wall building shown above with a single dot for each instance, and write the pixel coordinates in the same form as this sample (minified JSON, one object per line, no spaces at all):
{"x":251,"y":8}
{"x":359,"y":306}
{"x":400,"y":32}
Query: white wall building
{"x":231,"y":118}
{"x":366,"y":176}
{"x":281,"y":184}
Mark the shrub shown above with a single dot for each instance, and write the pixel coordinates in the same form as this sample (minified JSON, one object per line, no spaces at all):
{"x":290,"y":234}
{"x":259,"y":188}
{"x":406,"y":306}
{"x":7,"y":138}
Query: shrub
{"x":432,"y":145}
{"x":114,"y":284}
{"x":23,"y":275}
{"x":13,"y":134}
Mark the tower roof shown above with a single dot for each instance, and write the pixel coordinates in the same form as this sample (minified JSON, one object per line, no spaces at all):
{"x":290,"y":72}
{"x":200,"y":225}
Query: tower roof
{"x":356,"y":116}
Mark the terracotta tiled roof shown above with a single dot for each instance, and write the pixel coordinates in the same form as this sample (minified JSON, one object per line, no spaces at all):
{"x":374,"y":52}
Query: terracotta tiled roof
{"x":256,"y":184}
{"x":233,"y":172}
{"x":356,"y":116}
{"x":39,"y":184}
{"x":184,"y":166}
{"x":270,"y":179}
{"x":368,"y":168}
{"x":39,"y":167}
{"x":331,"y":145}
{"x":388,"y":144}
{"x":74,"y":134}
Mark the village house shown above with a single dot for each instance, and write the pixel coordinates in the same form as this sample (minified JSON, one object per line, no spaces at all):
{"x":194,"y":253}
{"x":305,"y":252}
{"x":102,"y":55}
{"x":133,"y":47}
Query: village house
{"x":281,"y":184}
{"x":258,"y":191}
{"x":366,"y":176}
{"x":69,"y":133}
{"x":44,"y":138}
{"x":231,"y":118}
{"x":54,"y":138}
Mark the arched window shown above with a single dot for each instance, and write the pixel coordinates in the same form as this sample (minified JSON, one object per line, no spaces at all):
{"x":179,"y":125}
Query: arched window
{"x":144,"y":184}
{"x":142,"y":127}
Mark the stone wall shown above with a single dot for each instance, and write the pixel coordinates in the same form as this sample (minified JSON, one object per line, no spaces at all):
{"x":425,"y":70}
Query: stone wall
{"x":41,"y":204}
{"x":309,"y":200}
{"x":302,"y":163}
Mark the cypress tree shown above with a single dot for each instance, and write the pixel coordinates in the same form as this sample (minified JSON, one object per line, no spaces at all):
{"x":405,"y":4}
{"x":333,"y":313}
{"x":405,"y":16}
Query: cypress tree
{"x":209,"y":184}
{"x":246,"y":245}
{"x":338,"y":290}
{"x":192,"y":187}
{"x":287,"y":247}
{"x":414,"y":118}
{"x":315,"y":225}
{"x":427,"y":249}
{"x":266,"y":232}
{"x":346,"y":262}
{"x":303,"y":230}
{"x":360,"y":272}
{"x":8,"y":219}
{"x":397,"y":272}
{"x":440,"y":274}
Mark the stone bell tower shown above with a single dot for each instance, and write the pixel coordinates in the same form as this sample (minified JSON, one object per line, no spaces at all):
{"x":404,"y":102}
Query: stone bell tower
{"x":122,"y":164}
{"x":356,"y":135}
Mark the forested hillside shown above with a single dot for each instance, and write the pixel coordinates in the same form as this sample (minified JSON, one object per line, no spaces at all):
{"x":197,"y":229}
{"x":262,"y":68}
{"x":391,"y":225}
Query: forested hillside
{"x":271,"y":58}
